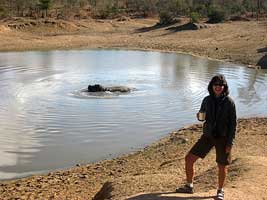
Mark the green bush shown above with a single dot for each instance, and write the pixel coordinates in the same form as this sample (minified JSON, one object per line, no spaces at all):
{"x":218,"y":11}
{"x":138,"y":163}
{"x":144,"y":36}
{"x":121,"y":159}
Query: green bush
{"x":202,"y":10}
{"x":216,"y":15}
{"x":165,"y":18}
{"x":234,"y":9}
{"x":102,"y":14}
{"x":237,"y":9}
{"x":107,"y":12}
{"x":3,"y":13}
{"x":194,"y":17}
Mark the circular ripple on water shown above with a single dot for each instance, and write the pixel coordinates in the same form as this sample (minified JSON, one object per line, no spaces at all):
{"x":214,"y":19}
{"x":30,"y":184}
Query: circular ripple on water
{"x":99,"y":95}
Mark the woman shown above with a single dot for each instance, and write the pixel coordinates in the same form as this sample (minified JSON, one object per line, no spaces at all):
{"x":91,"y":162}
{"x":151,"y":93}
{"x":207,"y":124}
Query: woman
{"x":219,"y":129}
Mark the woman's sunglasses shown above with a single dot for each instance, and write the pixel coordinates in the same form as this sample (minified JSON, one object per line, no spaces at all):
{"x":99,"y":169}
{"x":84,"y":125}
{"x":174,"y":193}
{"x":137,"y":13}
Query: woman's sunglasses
{"x":218,"y":84}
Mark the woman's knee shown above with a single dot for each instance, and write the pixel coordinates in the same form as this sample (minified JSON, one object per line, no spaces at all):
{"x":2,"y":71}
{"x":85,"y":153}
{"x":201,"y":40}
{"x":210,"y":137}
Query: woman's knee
{"x":190,"y":158}
{"x":222,"y":168}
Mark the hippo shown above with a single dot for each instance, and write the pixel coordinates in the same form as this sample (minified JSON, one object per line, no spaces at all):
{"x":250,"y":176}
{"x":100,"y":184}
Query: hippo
{"x":100,"y":88}
{"x":96,"y":88}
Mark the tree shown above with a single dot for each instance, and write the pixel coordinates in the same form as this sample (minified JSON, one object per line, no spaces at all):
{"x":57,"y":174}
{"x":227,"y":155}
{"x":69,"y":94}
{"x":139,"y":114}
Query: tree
{"x":3,"y":12}
{"x":92,"y":3}
{"x":167,"y":11}
{"x":44,"y":5}
{"x":259,"y":8}
{"x":183,"y":7}
{"x":234,"y":8}
{"x":21,"y":6}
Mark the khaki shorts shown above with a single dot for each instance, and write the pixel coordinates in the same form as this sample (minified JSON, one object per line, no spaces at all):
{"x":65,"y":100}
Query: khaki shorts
{"x":203,"y":146}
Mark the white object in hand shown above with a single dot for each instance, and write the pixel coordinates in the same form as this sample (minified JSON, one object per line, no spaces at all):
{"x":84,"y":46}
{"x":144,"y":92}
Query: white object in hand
{"x":201,"y":116}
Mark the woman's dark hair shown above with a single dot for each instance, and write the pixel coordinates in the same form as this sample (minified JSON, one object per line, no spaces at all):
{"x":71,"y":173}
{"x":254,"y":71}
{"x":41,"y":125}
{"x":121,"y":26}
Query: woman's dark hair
{"x":221,"y":80}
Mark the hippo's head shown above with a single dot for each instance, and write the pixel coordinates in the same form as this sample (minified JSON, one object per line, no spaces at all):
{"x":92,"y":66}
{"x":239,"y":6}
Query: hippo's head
{"x":96,"y":88}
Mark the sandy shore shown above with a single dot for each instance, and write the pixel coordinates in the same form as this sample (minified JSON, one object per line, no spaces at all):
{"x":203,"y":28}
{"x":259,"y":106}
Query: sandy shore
{"x":154,"y":172}
{"x":238,"y":42}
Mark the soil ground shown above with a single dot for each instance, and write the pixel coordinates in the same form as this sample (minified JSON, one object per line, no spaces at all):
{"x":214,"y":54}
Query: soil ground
{"x":240,"y":41}
{"x":155,"y":171}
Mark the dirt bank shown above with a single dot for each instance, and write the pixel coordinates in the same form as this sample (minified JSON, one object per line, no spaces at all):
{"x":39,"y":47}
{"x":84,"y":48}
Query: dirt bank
{"x":156,"y":171}
{"x":240,"y":41}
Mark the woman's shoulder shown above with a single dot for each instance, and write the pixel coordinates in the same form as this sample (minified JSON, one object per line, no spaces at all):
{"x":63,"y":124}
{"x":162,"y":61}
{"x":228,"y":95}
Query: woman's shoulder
{"x":229,"y":99}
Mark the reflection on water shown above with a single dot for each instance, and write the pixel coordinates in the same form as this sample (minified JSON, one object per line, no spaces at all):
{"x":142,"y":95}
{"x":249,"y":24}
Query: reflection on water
{"x":44,"y":126}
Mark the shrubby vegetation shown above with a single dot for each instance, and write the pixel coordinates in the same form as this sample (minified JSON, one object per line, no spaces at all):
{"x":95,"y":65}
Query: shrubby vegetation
{"x":194,"y":17}
{"x":216,"y":14}
{"x":166,"y":10}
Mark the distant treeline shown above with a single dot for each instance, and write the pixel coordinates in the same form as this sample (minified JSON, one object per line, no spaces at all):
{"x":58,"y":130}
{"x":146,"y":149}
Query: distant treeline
{"x":167,"y":10}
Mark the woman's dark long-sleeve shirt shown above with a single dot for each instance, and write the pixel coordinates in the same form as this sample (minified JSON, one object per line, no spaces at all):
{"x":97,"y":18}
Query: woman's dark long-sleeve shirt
{"x":220,"y":117}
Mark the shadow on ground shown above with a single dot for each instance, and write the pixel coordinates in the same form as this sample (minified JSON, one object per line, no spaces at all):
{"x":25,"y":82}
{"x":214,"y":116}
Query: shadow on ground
{"x":187,"y":27}
{"x":263,"y":62}
{"x":262,"y":50}
{"x":168,"y":196}
{"x":154,"y":27}
{"x":184,"y":27}
{"x":151,"y":28}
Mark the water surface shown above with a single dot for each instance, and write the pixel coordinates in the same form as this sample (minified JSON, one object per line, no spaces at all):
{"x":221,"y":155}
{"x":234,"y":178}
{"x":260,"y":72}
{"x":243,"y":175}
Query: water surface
{"x":46,"y":123}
